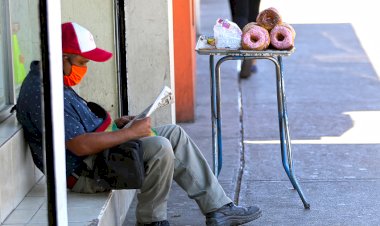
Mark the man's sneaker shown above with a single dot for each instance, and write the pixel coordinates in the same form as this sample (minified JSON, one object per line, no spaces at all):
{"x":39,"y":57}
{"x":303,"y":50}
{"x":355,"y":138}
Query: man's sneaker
{"x":158,"y":223}
{"x":231,"y":214}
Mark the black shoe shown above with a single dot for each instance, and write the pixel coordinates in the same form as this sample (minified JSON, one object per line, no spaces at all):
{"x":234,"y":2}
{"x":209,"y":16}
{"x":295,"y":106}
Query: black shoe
{"x":247,"y":68}
{"x":157,"y":223}
{"x":232,"y":215}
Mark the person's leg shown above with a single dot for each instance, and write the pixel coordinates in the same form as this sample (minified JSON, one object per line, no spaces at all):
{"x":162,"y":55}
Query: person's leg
{"x":247,"y":68}
{"x":192,"y":171}
{"x":254,"y":7}
{"x":249,"y":11}
{"x":240,"y":16}
{"x":159,"y":166}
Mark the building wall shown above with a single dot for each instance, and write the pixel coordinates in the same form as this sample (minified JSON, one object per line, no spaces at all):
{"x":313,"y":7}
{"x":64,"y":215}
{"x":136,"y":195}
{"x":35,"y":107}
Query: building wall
{"x":100,"y":83}
{"x":184,"y":58}
{"x":149,"y":25}
{"x":17,"y":171}
{"x":150,"y":66}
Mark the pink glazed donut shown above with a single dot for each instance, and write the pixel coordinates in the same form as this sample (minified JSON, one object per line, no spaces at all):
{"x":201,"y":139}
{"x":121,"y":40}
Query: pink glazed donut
{"x":255,"y":38}
{"x":282,"y":37}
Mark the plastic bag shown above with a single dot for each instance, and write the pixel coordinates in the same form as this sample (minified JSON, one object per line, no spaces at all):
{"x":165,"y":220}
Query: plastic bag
{"x":227,"y":34}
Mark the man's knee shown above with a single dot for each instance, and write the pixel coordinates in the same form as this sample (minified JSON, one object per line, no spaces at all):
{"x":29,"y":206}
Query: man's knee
{"x":172,"y":127}
{"x":164,"y":149}
{"x":158,"y":147}
{"x":178,"y":130}
{"x":158,"y":154}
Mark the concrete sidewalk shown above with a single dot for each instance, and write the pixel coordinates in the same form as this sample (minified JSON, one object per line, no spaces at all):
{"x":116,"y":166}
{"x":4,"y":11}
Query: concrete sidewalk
{"x":334,"y":115}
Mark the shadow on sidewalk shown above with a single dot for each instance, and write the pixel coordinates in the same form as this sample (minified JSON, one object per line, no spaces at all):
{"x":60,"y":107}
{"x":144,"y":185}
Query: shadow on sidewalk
{"x":329,"y":83}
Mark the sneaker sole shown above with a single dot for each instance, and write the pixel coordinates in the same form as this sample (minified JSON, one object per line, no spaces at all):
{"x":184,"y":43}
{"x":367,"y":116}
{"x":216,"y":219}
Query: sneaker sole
{"x":233,"y":220}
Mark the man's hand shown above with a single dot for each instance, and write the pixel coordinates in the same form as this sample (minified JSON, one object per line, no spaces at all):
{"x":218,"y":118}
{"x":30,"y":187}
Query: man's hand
{"x":121,"y":122}
{"x":140,"y":128}
{"x":92,"y":143}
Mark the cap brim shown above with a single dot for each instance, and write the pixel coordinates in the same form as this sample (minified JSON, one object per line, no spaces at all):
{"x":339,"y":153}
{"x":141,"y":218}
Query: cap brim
{"x":98,"y":55}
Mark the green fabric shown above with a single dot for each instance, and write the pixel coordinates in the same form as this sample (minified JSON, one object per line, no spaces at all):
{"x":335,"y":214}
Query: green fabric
{"x":18,"y":66}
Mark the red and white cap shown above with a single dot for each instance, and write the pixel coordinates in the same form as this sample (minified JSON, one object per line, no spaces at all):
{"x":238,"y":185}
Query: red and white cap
{"x":78,"y":40}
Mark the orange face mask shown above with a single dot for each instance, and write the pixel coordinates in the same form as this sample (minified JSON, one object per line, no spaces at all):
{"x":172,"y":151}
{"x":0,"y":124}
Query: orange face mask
{"x":75,"y":76}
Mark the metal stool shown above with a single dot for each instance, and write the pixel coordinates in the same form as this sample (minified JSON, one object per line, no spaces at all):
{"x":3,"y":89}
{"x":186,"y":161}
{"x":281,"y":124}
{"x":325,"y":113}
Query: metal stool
{"x":276,"y":57}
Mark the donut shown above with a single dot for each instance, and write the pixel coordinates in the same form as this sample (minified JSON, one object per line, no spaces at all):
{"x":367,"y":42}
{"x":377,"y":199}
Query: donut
{"x":282,"y":37}
{"x":255,"y":38}
{"x":291,"y":29}
{"x":269,"y":18}
{"x":247,"y":26}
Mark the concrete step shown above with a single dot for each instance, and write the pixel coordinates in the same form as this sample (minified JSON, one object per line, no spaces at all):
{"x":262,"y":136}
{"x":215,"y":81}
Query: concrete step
{"x":102,"y":209}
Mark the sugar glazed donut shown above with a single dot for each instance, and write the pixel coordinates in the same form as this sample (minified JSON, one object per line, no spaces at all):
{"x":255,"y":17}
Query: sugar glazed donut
{"x":248,"y":26}
{"x":269,"y":18}
{"x":282,"y":37}
{"x":255,"y":37}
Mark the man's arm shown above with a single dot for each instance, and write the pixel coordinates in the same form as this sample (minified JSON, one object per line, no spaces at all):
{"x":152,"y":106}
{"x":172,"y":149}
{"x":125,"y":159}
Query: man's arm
{"x":92,"y":143}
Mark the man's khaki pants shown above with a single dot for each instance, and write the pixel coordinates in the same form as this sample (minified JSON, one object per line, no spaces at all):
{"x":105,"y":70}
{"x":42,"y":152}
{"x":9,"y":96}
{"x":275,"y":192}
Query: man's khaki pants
{"x":169,"y":155}
{"x":173,"y":155}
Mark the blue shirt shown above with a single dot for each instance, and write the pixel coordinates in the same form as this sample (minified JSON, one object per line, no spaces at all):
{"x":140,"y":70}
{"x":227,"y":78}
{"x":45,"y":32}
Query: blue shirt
{"x":78,"y":118}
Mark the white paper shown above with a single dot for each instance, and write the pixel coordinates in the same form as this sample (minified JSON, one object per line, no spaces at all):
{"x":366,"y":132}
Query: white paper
{"x":164,"y":98}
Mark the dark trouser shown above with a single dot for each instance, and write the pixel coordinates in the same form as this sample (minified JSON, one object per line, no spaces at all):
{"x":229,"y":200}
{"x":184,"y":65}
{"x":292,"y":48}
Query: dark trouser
{"x":244,"y":11}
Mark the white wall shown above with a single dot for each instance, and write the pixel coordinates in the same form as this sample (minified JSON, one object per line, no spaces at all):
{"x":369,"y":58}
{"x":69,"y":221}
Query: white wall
{"x":150,"y":55}
{"x":100,"y":83}
{"x":149,"y":52}
{"x":17,"y":171}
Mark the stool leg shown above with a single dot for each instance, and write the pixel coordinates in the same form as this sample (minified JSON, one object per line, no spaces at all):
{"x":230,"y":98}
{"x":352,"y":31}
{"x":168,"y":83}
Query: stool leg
{"x":218,"y":112}
{"x":213,"y":117}
{"x":286,"y":151}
